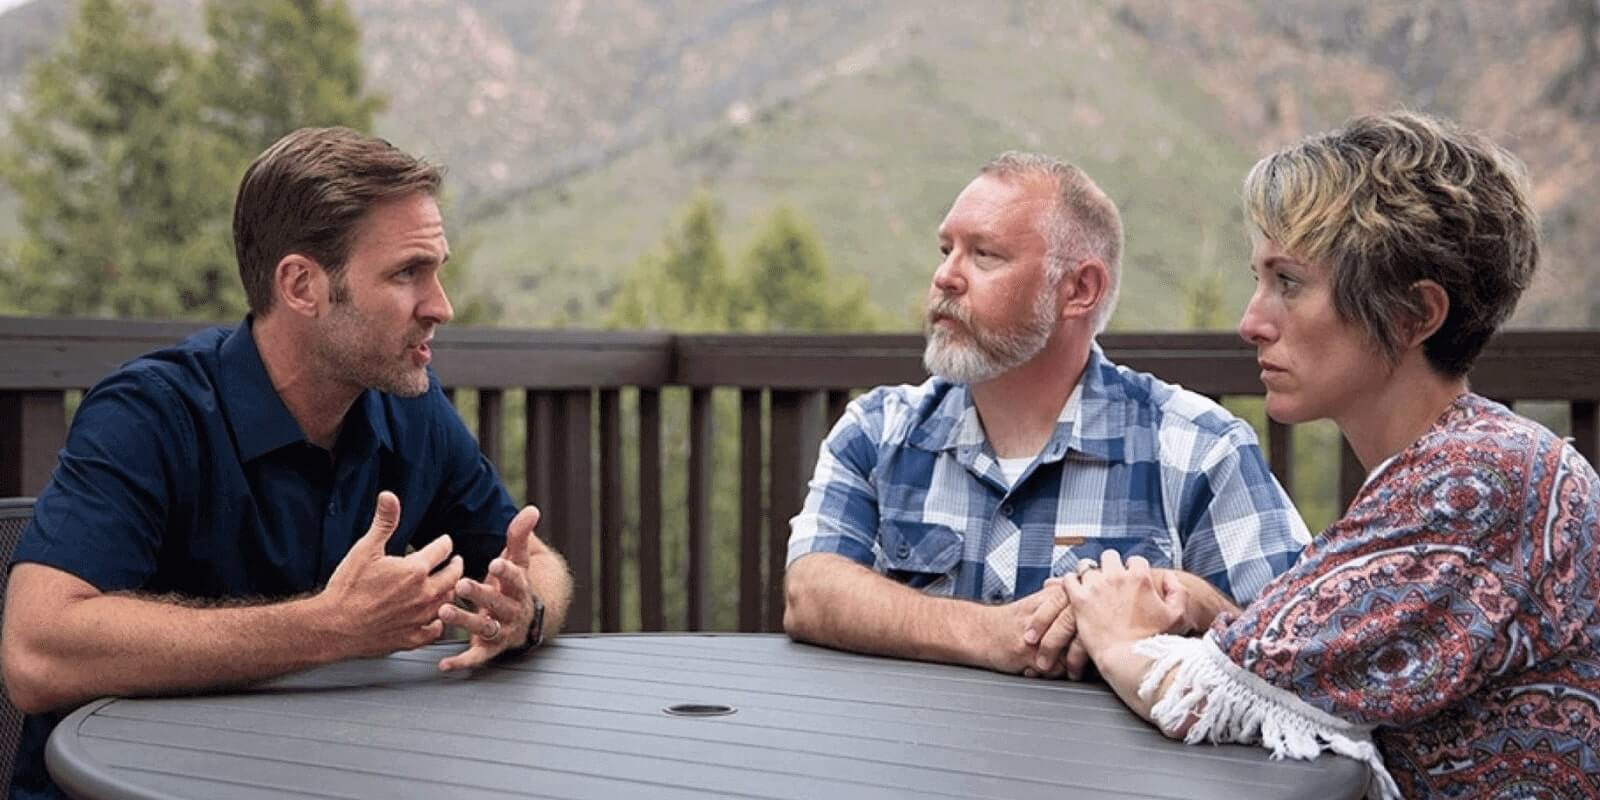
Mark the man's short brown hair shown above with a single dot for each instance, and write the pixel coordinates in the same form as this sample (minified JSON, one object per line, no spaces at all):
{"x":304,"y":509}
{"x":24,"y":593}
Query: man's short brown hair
{"x":306,"y":194}
{"x":1396,"y":198}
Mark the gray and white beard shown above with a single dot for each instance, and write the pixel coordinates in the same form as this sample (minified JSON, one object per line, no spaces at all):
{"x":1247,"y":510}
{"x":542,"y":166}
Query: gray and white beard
{"x":970,"y":355}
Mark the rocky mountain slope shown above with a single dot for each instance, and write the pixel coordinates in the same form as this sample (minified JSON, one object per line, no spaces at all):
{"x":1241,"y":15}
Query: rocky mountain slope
{"x":576,"y":130}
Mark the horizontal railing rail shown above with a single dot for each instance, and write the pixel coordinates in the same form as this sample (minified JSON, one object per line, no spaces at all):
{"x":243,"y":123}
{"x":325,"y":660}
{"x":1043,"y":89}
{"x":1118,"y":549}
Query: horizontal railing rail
{"x":597,"y":430}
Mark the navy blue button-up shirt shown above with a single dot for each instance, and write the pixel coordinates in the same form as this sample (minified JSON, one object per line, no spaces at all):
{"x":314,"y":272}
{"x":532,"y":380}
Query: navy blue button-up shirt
{"x":184,"y":472}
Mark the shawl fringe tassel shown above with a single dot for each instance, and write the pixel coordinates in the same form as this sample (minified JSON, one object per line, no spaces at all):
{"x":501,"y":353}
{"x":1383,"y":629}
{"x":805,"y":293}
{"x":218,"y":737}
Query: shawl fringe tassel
{"x":1224,"y":703}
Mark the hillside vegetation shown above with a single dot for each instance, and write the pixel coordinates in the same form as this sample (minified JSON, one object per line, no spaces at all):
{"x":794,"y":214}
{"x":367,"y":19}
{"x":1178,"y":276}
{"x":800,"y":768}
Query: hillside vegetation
{"x":762,"y":164}
{"x":576,"y":132}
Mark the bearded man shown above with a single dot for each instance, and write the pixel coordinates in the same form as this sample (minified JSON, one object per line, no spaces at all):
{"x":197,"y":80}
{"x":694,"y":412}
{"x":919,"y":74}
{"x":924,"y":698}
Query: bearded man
{"x":938,"y":512}
{"x":208,"y":525}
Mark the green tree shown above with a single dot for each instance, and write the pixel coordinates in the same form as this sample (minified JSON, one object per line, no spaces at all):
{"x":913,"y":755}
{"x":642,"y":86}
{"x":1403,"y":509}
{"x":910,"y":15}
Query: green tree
{"x":1203,"y":300}
{"x":783,"y":283}
{"x":128,"y":148}
{"x":275,"y":66}
{"x":684,"y":287}
{"x":786,"y":284}
{"x":116,"y":179}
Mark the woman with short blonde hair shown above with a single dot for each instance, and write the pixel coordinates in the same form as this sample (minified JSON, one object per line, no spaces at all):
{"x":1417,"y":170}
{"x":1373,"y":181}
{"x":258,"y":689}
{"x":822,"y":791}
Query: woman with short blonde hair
{"x":1445,"y":629}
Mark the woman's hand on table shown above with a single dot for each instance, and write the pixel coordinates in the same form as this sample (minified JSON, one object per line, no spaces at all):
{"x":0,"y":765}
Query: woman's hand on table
{"x":1120,"y":603}
{"x":1116,"y":605}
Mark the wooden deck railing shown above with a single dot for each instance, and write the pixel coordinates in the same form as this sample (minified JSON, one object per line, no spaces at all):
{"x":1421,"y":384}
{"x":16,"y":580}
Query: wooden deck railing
{"x":580,"y":392}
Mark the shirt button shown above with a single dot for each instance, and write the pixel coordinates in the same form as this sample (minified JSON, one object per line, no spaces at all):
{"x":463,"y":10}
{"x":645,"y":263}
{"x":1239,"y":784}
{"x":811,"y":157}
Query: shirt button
{"x":1008,"y":509}
{"x":904,"y":551}
{"x":996,"y":597}
{"x":333,"y":508}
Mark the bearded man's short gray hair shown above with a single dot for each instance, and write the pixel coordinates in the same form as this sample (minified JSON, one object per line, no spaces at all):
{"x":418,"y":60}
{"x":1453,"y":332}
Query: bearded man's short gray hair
{"x":1083,"y":222}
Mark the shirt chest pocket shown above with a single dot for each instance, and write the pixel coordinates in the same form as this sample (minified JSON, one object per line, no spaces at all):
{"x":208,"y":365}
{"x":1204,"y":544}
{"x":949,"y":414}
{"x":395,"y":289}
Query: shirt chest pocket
{"x":918,"y":553}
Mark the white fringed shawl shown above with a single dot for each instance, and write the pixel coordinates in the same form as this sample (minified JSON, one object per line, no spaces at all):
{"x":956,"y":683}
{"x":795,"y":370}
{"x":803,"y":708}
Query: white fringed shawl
{"x":1230,"y":704}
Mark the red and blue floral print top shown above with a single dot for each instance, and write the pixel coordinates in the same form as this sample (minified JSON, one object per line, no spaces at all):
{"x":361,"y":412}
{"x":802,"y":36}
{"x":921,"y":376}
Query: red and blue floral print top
{"x":1451,"y":615}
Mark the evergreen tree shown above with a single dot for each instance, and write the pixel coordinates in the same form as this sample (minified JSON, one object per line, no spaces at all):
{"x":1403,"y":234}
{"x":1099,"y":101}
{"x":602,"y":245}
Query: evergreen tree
{"x":277,"y":65}
{"x":1203,"y":299}
{"x":786,"y":284}
{"x":116,"y":179}
{"x":685,"y":286}
{"x":128,"y":149}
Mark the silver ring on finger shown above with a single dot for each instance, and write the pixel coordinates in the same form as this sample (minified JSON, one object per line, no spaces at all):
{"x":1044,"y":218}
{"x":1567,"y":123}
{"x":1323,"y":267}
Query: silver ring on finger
{"x":494,"y":634}
{"x":1085,"y":564}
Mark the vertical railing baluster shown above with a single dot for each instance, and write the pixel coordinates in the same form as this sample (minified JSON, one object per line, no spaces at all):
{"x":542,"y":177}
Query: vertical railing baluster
{"x":574,"y":493}
{"x":1586,"y":429}
{"x":838,"y":401}
{"x":610,"y":510}
{"x":538,"y":462}
{"x":491,"y":424}
{"x":700,"y":448}
{"x":1280,"y":453}
{"x":652,"y":616}
{"x":1351,"y":475}
{"x":751,"y":495}
{"x":795,"y":433}
{"x":33,"y":428}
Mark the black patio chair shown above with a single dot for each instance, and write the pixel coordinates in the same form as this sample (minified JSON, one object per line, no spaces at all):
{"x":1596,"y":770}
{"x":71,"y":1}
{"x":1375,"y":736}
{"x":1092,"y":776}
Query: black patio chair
{"x":15,"y":512}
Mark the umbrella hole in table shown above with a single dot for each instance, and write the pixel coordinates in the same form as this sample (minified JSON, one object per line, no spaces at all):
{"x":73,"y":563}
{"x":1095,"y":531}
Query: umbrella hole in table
{"x":699,"y":710}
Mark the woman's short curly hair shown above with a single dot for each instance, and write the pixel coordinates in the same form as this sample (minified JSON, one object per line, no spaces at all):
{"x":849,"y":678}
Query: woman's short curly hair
{"x":1396,"y":198}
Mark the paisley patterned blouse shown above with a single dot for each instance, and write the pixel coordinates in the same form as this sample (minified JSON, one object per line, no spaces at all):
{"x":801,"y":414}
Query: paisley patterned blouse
{"x":1450,"y":619}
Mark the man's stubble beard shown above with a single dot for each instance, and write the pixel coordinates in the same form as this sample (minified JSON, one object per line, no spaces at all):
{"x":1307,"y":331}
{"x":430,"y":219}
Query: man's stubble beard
{"x":342,"y":349}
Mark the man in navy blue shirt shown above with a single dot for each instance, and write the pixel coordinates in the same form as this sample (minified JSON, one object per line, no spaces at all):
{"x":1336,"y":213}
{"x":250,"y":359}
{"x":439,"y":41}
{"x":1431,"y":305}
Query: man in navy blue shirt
{"x":241,"y":505}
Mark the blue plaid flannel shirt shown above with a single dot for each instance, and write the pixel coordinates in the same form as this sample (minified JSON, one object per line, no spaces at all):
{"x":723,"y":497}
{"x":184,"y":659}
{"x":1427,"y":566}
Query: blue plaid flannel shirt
{"x":907,"y":484}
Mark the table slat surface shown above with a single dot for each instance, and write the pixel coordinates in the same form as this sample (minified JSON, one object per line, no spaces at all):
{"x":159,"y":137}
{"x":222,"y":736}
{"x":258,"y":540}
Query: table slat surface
{"x":584,"y":718}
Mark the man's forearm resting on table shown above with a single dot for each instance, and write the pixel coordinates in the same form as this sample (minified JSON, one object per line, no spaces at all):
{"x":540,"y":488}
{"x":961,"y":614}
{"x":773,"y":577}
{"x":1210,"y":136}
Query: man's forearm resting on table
{"x":833,"y":601}
{"x":65,"y":642}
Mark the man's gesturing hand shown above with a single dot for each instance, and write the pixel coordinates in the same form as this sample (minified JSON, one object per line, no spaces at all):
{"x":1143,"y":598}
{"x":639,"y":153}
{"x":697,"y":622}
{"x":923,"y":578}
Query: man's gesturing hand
{"x":383,"y":603}
{"x":504,"y":600}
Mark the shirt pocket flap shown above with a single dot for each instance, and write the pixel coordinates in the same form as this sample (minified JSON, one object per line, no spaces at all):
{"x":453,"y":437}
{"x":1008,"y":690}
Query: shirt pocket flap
{"x":914,"y":546}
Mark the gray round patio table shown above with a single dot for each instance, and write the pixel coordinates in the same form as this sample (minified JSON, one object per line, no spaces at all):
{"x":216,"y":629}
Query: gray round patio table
{"x":664,"y":715}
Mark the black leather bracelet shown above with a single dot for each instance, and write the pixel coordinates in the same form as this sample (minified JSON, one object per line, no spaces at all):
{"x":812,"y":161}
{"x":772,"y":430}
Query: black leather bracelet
{"x":535,"y":635}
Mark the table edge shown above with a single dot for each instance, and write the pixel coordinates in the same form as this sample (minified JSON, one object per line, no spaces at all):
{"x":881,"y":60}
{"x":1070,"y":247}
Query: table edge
{"x":80,"y":775}
{"x":73,"y":769}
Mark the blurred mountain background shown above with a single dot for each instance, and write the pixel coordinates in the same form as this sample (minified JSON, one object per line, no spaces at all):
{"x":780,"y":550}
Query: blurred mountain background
{"x":577,"y":133}
{"x":752,"y":165}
